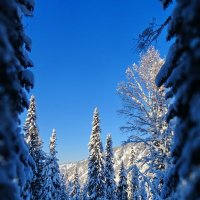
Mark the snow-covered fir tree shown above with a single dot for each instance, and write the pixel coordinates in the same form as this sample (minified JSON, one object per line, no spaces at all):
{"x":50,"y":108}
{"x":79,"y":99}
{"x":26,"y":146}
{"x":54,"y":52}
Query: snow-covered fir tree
{"x":15,"y":79}
{"x":130,"y":176}
{"x":181,"y":75}
{"x":63,"y":186}
{"x":25,"y":173}
{"x":110,"y":185}
{"x":134,"y":183}
{"x":40,"y":184}
{"x":56,"y":184}
{"x":68,"y":184}
{"x":131,"y":160}
{"x":96,"y":177}
{"x":76,"y":193}
{"x":84,"y":192}
{"x":122,"y":185}
{"x":142,"y":189}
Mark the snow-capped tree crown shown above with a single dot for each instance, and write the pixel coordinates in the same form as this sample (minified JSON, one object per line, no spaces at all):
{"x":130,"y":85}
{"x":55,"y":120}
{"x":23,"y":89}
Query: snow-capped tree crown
{"x":96,"y":177}
{"x":95,"y":141}
{"x":76,"y":194}
{"x":144,"y":103}
{"x":52,"y":145}
{"x":110,"y":186}
{"x":31,"y":130}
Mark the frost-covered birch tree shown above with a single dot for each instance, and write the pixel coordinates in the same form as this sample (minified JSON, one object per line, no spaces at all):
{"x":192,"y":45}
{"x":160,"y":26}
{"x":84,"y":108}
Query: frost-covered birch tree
{"x":15,"y":80}
{"x":110,"y":185}
{"x":96,"y":174}
{"x":144,"y":106}
{"x":181,"y":75}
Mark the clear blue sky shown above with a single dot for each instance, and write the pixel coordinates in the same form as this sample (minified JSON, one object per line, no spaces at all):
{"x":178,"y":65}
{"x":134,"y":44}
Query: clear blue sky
{"x":81,"y":49}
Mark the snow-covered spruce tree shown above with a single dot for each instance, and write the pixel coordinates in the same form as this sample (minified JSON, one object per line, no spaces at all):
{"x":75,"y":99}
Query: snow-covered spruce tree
{"x":145,"y":107}
{"x":181,"y":74}
{"x":110,"y":185}
{"x":68,"y":184}
{"x":122,"y":185}
{"x":131,"y":160}
{"x":40,"y":184}
{"x":84,"y":192}
{"x":75,"y":194}
{"x":130,"y":176}
{"x":56,"y":189}
{"x":14,"y":81}
{"x":96,"y":177}
{"x":25,"y":172}
{"x":142,"y":189}
{"x":63,"y":186}
{"x":134,"y":184}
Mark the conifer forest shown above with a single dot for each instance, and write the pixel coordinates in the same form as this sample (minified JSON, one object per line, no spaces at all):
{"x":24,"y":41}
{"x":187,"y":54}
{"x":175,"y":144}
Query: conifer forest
{"x":159,"y":96}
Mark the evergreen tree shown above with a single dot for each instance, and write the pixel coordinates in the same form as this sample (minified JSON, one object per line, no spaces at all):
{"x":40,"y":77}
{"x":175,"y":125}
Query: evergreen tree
{"x":110,"y":186}
{"x":181,"y":75}
{"x":122,"y":185}
{"x":142,"y":189}
{"x":25,"y":173}
{"x":134,"y":192}
{"x":64,"y":195}
{"x":54,"y":169}
{"x":84,"y":192}
{"x":39,"y":186}
{"x":131,"y":175}
{"x":75,"y":194}
{"x":15,"y":80}
{"x":96,"y":178}
{"x":131,"y":160}
{"x":68,"y":185}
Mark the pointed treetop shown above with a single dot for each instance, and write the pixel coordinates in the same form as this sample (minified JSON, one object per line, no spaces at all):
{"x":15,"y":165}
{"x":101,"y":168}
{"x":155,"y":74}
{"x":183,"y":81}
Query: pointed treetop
{"x":132,"y":157}
{"x":122,"y":170}
{"x":109,"y":144}
{"x":32,"y":97}
{"x":109,"y":137}
{"x":96,"y":122}
{"x":95,"y":114}
{"x":32,"y":101}
{"x":122,"y":164}
{"x":96,"y":110}
{"x":30,"y":127}
{"x":54,"y":132}
{"x":52,"y":145}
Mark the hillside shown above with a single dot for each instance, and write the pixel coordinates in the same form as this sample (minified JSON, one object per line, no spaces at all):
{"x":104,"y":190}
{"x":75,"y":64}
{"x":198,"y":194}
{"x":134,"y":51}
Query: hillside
{"x":121,"y":153}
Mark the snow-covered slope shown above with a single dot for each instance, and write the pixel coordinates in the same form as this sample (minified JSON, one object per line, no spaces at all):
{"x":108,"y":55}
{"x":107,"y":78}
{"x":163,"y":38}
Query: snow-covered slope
{"x":120,"y":154}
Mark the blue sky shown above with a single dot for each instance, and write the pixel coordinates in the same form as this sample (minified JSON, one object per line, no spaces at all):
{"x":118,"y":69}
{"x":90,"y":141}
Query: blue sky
{"x":81,"y":49}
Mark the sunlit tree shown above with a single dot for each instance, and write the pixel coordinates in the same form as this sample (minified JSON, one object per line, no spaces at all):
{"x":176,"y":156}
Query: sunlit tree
{"x":144,"y":106}
{"x":110,"y":185}
{"x":122,"y":185}
{"x":96,"y":177}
